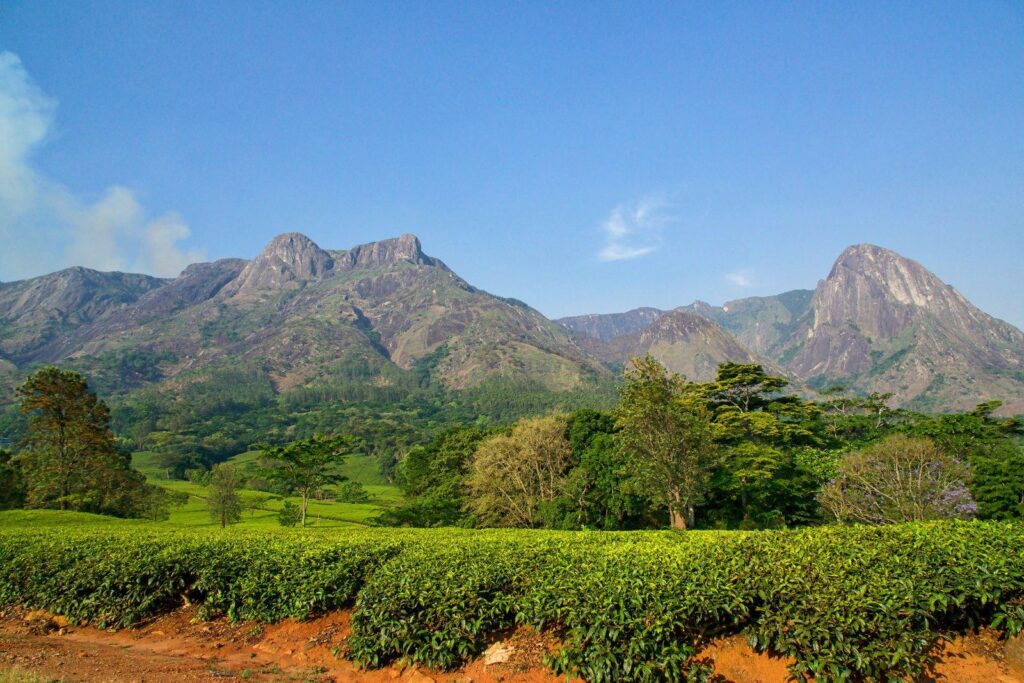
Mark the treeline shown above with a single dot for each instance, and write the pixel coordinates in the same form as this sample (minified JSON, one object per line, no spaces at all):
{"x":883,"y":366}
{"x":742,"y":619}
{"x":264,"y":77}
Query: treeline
{"x":737,"y":452}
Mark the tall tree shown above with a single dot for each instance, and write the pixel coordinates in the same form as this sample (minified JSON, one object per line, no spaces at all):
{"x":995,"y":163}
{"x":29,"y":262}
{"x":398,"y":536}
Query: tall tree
{"x":69,"y":458}
{"x":666,"y":428}
{"x":758,"y":427}
{"x":512,"y":476}
{"x":222,"y":494}
{"x":305,"y":467}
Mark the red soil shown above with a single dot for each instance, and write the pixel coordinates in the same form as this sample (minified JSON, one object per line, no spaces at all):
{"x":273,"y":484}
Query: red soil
{"x":179,"y":647}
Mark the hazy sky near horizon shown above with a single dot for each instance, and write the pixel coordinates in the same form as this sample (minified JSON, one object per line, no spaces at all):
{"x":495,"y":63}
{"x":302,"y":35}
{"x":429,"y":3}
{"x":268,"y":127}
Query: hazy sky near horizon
{"x":582,"y":157}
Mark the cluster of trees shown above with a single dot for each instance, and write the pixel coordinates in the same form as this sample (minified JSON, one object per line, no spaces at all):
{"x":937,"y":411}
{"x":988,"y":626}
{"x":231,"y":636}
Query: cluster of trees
{"x":303,"y":468}
{"x":736,"y":452}
{"x":741,"y":451}
{"x":69,"y":459}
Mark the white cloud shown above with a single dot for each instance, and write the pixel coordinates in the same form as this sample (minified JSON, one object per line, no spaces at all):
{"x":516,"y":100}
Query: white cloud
{"x":741,"y":278}
{"x":633,"y":230}
{"x":44,"y":226}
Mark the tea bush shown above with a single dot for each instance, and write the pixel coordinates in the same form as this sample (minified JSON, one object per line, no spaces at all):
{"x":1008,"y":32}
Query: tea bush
{"x":846,"y":603}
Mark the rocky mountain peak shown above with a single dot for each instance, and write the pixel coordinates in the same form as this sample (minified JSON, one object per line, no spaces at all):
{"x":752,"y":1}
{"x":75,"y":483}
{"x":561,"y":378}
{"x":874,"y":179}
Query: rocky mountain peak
{"x":904,"y":280}
{"x":386,"y":252}
{"x":288,"y":259}
{"x":875,"y":291}
{"x":681,"y":324}
{"x":883,"y":322}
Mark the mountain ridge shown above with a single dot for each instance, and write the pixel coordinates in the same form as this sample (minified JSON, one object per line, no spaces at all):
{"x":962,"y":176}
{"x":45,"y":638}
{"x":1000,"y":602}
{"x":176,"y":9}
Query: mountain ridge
{"x":880,"y":322}
{"x":298,"y":312}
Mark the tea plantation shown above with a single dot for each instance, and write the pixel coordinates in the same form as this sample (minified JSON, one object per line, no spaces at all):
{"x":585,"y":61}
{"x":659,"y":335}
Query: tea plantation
{"x":847,"y":603}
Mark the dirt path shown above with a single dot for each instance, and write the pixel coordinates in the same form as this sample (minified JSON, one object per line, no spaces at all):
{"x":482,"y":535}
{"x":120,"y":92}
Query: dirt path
{"x":179,"y":647}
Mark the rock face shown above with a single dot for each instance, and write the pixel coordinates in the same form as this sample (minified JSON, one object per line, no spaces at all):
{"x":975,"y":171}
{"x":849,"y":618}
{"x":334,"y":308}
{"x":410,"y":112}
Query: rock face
{"x":35,"y":312}
{"x":386,"y":252}
{"x":605,"y":327}
{"x":882,"y":322}
{"x":289,"y":260}
{"x":878,"y":322}
{"x":682,"y":341}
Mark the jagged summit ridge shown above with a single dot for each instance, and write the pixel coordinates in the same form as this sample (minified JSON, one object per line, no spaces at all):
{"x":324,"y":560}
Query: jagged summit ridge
{"x":606,"y":327}
{"x":403,"y":248}
{"x":293,"y":258}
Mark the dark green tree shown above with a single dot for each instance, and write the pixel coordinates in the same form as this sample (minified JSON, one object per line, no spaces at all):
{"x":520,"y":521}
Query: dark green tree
{"x":433,"y":479}
{"x":69,"y":456}
{"x":289,"y":514}
{"x":12,"y":487}
{"x":222,"y":497}
{"x":758,"y":429}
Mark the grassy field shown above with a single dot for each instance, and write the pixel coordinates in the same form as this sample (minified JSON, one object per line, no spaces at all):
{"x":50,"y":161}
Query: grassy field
{"x":329,"y":514}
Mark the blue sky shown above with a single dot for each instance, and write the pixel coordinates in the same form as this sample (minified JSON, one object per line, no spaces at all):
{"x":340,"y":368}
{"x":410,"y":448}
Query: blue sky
{"x":583,"y":157}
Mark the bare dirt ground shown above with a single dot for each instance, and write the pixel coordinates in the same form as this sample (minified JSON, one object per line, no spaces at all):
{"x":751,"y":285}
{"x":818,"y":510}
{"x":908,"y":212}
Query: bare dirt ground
{"x":179,"y":647}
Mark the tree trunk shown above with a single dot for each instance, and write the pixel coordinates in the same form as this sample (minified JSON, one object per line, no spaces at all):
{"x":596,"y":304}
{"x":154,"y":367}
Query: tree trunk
{"x":677,"y":520}
{"x":305,"y":504}
{"x":691,"y":516}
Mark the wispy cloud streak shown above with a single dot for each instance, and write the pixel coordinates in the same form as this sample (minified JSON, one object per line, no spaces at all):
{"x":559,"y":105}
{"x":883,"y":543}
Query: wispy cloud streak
{"x":634,"y":230}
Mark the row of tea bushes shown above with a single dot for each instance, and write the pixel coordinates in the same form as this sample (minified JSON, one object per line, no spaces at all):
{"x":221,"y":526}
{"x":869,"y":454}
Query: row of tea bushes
{"x":846,"y":603}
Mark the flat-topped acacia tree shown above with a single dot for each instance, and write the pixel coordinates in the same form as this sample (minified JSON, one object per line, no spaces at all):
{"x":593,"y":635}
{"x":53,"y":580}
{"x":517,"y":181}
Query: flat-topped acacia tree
{"x":307,"y":466}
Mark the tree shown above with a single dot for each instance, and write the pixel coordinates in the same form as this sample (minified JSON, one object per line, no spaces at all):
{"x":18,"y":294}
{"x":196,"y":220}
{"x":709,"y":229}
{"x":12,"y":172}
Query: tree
{"x":69,"y":457}
{"x":900,"y":479}
{"x":222,"y":494}
{"x":432,"y":478}
{"x":990,"y":446}
{"x":758,"y":427}
{"x":665,"y":428}
{"x":305,"y":467}
{"x":513,"y":475}
{"x":12,"y":487}
{"x":352,"y":492}
{"x":289,"y":514}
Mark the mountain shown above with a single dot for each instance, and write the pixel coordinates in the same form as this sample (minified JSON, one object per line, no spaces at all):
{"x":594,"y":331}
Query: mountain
{"x":297,"y":315}
{"x":42,"y":311}
{"x":379,"y":318}
{"x":882,"y":322}
{"x":760,"y":323}
{"x":879,"y":322}
{"x":608,"y":326}
{"x":682,"y":341}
